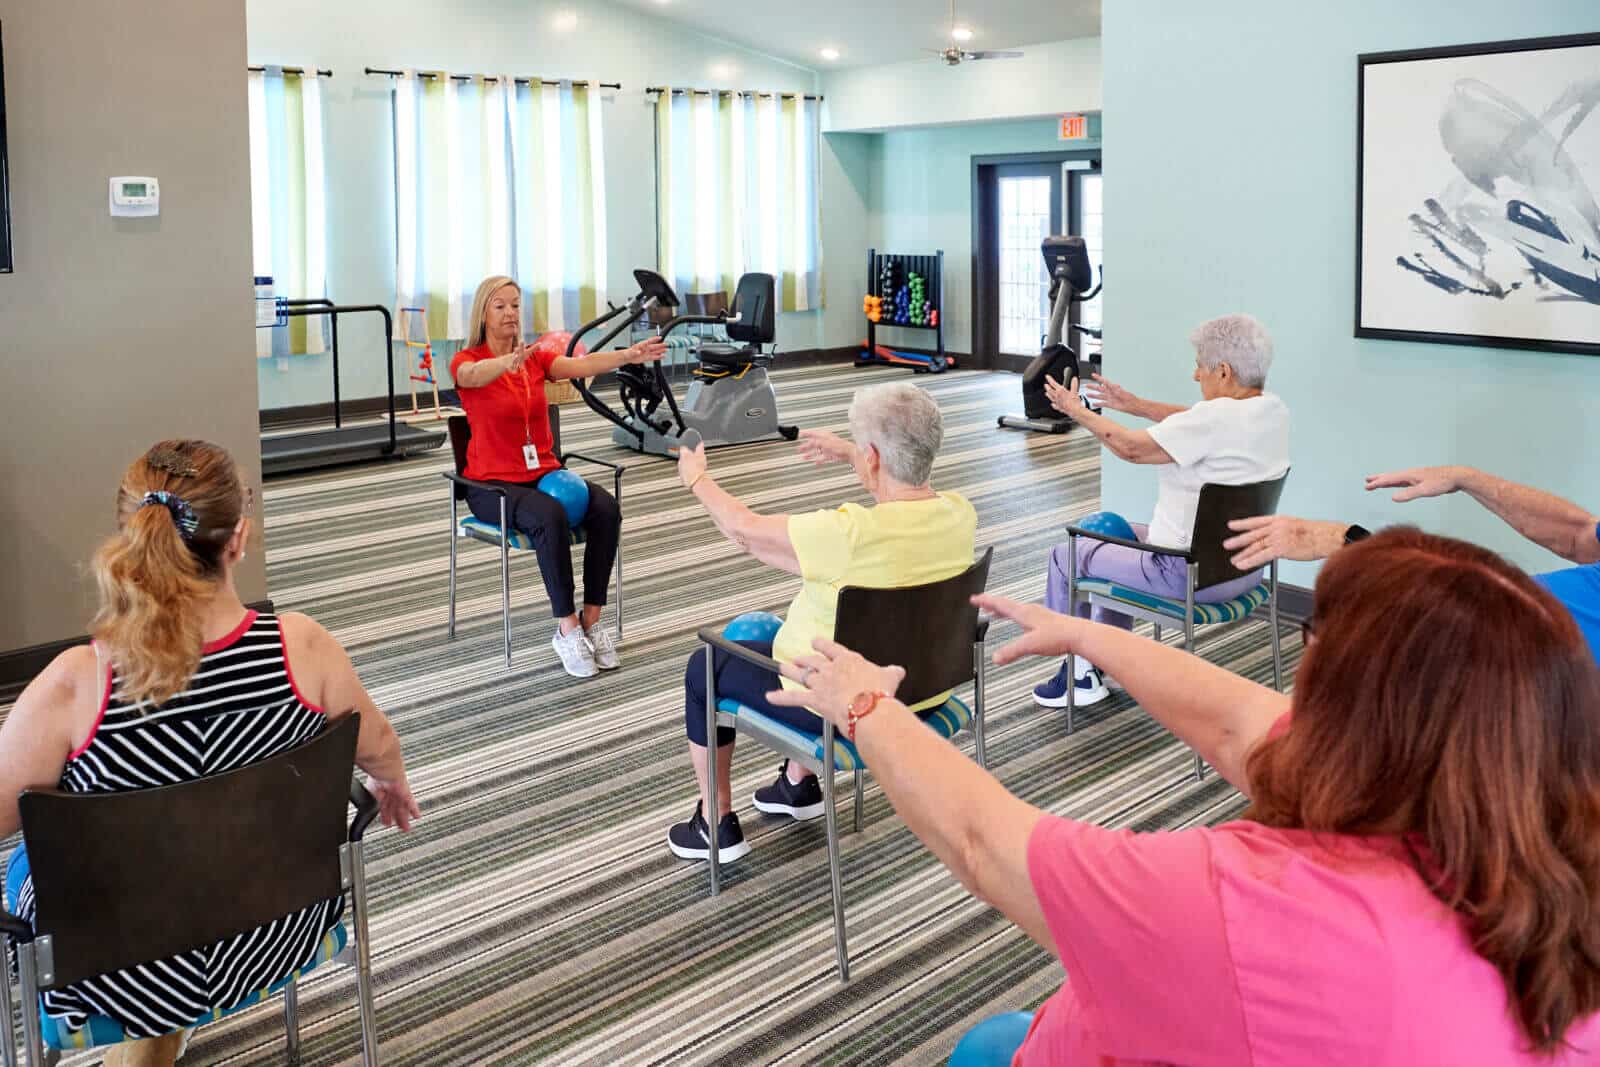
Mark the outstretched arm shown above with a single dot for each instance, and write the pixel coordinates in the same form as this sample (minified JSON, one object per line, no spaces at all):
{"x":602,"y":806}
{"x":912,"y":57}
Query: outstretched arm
{"x":1543,"y":518}
{"x":1108,"y":394}
{"x":1134,"y":446}
{"x":766,"y":537}
{"x":1214,"y":711}
{"x":587,"y":366}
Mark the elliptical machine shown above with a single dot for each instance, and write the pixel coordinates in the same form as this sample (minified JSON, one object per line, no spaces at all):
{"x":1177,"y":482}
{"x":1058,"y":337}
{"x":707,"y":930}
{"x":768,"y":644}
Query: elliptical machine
{"x":1067,"y":260}
{"x":730,"y":401}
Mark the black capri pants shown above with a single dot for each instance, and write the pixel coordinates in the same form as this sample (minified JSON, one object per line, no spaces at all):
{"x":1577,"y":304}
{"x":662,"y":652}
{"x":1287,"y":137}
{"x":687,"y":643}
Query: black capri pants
{"x":544,"y":520}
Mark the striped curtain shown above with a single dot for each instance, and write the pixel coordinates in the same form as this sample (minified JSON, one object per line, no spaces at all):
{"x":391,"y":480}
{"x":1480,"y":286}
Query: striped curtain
{"x":737,"y":190}
{"x":492,"y":177}
{"x":288,"y":204}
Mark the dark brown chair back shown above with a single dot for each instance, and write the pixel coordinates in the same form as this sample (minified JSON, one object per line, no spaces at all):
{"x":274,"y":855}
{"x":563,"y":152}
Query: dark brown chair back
{"x":927,"y":629}
{"x":1220,"y":505}
{"x":121,"y":879}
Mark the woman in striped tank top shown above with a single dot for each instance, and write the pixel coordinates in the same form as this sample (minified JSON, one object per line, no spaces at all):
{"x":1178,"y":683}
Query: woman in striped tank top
{"x":183,"y":682}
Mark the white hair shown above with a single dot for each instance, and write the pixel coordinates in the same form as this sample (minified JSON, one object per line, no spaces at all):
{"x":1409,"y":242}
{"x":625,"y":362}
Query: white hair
{"x":904,"y":424}
{"x":1241,"y":342}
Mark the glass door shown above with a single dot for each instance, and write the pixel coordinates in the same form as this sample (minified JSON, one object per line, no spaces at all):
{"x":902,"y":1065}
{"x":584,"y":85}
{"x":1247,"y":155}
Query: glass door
{"x":1029,"y":209}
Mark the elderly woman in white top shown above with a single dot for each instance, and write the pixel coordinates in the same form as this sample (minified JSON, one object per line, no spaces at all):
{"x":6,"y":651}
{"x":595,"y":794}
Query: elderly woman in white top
{"x":1237,"y":434}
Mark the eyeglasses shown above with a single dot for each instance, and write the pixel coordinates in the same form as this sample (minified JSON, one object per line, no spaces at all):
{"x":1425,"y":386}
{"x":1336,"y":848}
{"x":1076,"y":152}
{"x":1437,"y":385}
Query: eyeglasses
{"x":1307,"y":632}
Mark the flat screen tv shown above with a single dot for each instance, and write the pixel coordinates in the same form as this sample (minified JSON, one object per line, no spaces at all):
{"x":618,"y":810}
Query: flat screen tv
{"x":5,"y":185}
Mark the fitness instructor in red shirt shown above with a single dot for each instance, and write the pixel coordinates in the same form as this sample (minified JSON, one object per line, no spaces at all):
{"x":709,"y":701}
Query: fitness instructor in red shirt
{"x":500,"y":380}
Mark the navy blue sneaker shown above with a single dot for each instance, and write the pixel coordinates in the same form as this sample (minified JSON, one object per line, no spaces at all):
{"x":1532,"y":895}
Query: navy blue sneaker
{"x":1090,"y":686}
{"x":691,"y":840}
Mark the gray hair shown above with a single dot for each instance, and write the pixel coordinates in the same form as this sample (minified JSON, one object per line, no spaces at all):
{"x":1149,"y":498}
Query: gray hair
{"x":1241,"y":342}
{"x":903,"y":423}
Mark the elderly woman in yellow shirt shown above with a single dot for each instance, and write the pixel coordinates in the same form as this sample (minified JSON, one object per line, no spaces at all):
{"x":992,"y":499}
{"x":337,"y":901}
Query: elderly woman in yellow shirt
{"x":909,"y":536}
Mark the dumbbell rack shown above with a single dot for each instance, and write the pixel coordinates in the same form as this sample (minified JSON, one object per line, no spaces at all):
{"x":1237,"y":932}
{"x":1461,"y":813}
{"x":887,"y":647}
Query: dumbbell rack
{"x":930,"y":267}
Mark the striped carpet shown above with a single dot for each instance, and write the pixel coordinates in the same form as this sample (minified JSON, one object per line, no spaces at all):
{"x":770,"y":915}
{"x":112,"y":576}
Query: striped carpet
{"x":535,"y":915}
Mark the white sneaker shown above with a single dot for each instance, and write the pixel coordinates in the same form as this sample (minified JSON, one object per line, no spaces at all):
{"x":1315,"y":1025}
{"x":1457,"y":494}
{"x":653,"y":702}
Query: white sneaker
{"x":577,"y":655}
{"x":605,"y":649}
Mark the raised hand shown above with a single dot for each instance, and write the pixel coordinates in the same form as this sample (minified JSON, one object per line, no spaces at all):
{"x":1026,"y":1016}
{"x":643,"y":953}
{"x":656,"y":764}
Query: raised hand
{"x":822,"y":447}
{"x":1064,"y":398}
{"x":691,"y":463}
{"x":647,"y":351}
{"x":1264,"y":538}
{"x":832,"y":678}
{"x":1418,"y":482}
{"x":1045,"y":632}
{"x":1108,"y":394}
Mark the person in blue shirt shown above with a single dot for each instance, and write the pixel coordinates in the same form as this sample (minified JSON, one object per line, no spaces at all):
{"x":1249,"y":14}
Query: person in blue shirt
{"x":1543,"y":518}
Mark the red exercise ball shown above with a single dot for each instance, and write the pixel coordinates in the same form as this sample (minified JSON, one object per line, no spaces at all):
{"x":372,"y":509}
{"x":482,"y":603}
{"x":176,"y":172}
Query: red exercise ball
{"x":555,"y":344}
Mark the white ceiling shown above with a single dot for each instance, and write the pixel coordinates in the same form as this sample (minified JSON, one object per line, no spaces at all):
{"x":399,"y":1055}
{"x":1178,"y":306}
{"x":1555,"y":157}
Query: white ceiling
{"x":868,"y":32}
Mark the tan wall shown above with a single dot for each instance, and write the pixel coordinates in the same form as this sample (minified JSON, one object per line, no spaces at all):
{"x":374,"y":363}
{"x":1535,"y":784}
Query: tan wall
{"x":117,"y":332}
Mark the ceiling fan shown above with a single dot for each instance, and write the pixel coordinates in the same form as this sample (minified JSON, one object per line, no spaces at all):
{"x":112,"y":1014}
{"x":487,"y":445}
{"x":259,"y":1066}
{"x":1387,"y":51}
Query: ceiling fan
{"x":954,"y":55}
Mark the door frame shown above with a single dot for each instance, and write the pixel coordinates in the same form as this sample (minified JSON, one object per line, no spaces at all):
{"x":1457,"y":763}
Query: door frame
{"x":985,"y":323}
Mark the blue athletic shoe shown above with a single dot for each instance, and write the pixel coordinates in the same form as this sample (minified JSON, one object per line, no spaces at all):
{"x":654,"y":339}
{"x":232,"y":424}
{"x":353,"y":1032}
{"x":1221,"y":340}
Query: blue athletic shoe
{"x":1089,"y":685}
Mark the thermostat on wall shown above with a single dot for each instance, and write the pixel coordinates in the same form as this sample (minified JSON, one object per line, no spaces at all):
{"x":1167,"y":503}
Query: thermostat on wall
{"x":135,"y":197}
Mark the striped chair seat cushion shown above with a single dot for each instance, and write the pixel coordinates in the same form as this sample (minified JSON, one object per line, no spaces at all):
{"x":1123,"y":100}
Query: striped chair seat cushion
{"x":102,"y":1030}
{"x":1204,"y":614}
{"x":478,"y":530}
{"x":946,"y":720}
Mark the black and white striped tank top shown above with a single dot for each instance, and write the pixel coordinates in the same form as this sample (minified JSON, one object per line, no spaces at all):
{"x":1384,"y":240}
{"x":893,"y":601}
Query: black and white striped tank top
{"x":241,"y":706}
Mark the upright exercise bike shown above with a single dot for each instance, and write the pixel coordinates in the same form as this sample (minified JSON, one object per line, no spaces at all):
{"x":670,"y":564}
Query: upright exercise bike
{"x":1067,"y":260}
{"x":730,"y":401}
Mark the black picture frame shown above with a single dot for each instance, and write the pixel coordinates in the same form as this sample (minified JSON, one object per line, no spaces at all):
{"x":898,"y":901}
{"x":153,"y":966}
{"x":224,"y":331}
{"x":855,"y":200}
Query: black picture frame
{"x":5,"y":180}
{"x":1370,"y":59}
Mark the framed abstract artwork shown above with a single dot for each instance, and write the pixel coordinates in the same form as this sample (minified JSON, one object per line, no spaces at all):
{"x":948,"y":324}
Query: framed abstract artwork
{"x":1478,"y":195}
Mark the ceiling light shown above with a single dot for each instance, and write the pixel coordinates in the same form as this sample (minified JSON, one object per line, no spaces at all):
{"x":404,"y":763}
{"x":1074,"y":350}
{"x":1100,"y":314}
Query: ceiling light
{"x":721,"y":70}
{"x":961,"y":33}
{"x":565,"y":20}
{"x":830,"y":54}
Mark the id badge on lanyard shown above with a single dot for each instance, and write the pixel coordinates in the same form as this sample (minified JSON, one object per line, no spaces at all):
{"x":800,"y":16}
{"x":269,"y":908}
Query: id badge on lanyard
{"x":530,"y":452}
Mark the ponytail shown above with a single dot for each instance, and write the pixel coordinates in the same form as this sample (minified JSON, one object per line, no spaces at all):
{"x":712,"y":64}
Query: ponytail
{"x":178,"y":506}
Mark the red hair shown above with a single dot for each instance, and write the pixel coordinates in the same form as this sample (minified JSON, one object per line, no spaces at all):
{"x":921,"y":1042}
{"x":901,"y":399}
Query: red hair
{"x":1448,"y":698}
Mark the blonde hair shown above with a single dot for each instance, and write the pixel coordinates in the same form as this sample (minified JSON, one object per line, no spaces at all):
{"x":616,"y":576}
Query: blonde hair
{"x":163,"y":563}
{"x":477,"y":329}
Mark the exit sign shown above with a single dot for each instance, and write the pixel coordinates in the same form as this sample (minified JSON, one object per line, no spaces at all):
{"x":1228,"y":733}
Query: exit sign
{"x":1074,"y":127}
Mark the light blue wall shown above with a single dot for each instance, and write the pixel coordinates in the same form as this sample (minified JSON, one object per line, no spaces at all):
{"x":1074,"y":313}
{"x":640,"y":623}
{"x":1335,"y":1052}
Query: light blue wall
{"x":1232,"y":188}
{"x":917,"y":186}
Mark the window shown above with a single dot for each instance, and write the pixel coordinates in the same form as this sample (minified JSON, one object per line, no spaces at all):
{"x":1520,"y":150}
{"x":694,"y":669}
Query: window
{"x":737,"y":191}
{"x":288,"y":210}
{"x":497,"y":177}
{"x":1025,"y":221}
{"x":1091,"y":227}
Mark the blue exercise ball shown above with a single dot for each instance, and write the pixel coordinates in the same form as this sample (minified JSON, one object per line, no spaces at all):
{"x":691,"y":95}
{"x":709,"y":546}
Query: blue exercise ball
{"x":759,"y":626}
{"x":572,"y":492}
{"x":1109,"y":523}
{"x":993,"y":1042}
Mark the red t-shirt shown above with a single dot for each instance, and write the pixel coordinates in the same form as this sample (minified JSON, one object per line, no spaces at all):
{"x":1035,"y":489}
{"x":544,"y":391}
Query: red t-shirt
{"x":505,"y":415}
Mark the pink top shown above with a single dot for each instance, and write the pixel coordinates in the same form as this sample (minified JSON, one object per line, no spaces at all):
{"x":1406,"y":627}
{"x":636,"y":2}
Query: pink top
{"x":1243,"y":945}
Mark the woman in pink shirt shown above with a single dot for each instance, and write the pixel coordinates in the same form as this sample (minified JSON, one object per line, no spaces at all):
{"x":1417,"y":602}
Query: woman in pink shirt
{"x":1415,"y":881}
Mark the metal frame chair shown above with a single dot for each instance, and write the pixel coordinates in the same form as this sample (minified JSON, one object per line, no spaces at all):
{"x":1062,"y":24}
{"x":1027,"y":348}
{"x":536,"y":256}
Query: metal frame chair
{"x":122,"y":879}
{"x":874,"y":623}
{"x":460,"y":434}
{"x":1207,"y":563}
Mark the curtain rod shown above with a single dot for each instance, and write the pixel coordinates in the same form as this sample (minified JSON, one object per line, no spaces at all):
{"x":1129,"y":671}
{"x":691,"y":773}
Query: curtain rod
{"x":474,"y":77}
{"x":728,"y":92}
{"x":294,"y":70}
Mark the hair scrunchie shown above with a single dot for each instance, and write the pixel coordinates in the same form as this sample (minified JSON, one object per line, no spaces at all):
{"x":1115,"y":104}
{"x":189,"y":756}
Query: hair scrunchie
{"x":183,"y":516}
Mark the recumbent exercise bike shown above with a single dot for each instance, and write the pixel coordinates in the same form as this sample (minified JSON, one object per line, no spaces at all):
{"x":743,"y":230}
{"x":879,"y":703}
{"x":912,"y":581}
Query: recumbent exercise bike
{"x":1067,"y":259}
{"x":730,"y":400}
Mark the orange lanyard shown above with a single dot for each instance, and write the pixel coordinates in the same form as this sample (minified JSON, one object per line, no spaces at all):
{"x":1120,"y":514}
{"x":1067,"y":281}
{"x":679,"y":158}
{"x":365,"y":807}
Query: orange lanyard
{"x":527,"y":406}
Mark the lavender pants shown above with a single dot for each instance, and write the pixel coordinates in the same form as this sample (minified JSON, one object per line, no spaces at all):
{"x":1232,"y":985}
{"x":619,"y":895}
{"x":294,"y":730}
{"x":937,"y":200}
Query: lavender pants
{"x":1161,"y":575}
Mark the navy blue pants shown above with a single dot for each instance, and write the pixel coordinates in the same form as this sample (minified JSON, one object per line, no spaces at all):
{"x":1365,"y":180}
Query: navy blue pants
{"x":544,"y":520}
{"x":741,"y":681}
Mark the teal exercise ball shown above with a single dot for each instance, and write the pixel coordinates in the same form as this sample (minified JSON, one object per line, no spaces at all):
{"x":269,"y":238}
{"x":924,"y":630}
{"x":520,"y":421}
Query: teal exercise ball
{"x":1109,"y":523}
{"x":993,"y":1042}
{"x":570,"y":490}
{"x":757,"y":626}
